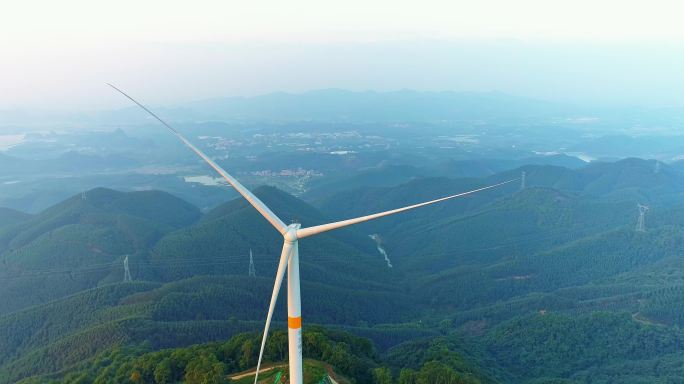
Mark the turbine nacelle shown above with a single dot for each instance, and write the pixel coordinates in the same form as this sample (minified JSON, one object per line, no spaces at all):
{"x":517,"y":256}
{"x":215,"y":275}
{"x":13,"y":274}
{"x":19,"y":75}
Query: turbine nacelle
{"x":290,"y":234}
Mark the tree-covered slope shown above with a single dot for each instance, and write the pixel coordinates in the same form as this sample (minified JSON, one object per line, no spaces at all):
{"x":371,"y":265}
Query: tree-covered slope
{"x":81,"y":243}
{"x":221,"y":241}
{"x":502,"y":287}
{"x":364,"y":201}
{"x":347,"y":358}
{"x":53,"y":336}
{"x":525,"y":221}
{"x":626,"y":179}
{"x":586,"y":349}
{"x":12,"y":217}
{"x":41,"y":325}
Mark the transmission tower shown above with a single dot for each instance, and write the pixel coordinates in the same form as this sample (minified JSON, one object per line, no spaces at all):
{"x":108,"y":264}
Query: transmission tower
{"x":127,"y":272}
{"x":657,"y":167}
{"x":83,"y":195}
{"x":641,"y":225}
{"x":252,"y":271}
{"x":522,"y":180}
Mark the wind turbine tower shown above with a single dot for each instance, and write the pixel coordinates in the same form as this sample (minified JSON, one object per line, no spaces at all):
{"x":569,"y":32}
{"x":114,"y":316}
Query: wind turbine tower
{"x":127,"y":272}
{"x":252,"y":271}
{"x":641,"y":225}
{"x":289,"y":257}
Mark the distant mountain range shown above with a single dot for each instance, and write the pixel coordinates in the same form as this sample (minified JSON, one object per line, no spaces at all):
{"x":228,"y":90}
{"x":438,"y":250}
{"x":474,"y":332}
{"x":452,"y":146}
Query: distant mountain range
{"x":330,"y":105}
{"x":404,"y":105}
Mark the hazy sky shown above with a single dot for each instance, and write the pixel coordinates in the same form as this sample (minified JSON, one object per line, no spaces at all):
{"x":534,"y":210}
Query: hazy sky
{"x":58,"y":54}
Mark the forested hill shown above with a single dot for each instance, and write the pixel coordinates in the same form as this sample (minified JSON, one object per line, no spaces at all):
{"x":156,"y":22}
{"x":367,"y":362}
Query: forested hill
{"x":223,"y":238}
{"x":548,"y":264}
{"x":11,"y":216}
{"x":388,"y":175}
{"x":81,"y":243}
{"x":327,"y":353}
{"x":75,"y":244}
{"x":629,"y":179}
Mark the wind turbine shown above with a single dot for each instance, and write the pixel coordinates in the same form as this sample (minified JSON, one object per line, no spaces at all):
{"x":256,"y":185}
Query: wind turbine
{"x":289,"y":257}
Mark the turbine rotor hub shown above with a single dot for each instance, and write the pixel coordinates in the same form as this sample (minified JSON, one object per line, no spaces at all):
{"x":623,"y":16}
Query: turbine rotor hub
{"x":291,"y":234}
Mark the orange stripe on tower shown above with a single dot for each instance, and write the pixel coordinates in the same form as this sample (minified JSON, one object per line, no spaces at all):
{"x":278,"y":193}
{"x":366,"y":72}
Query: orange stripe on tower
{"x":294,"y":322}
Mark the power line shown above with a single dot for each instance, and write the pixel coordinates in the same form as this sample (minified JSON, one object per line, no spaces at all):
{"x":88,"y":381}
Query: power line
{"x":523,"y":178}
{"x":252,"y":271}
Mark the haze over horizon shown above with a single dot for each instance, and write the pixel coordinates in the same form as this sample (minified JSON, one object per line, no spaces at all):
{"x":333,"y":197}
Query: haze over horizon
{"x":167,"y":53}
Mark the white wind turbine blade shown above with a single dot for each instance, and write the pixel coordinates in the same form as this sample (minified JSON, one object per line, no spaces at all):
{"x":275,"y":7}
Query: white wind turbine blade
{"x":282,"y":266}
{"x":246,"y":193}
{"x":310,"y":231}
